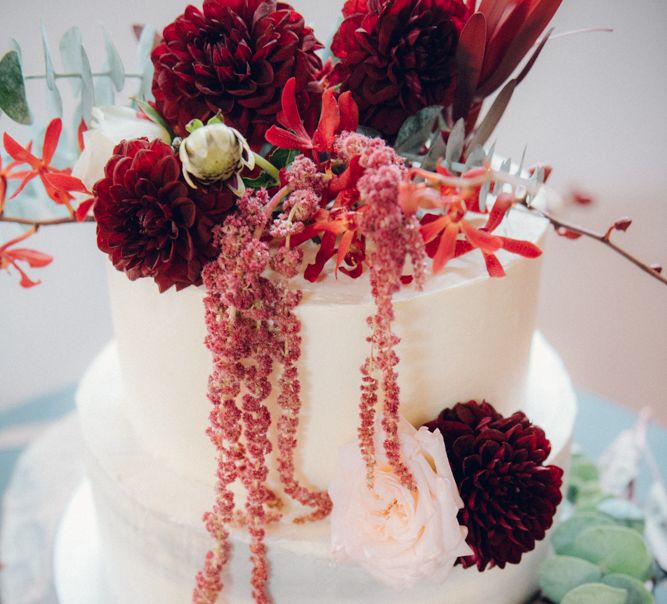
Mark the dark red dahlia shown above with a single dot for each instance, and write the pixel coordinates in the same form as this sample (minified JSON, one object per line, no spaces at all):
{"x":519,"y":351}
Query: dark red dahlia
{"x":398,"y":56}
{"x":509,"y":496}
{"x":234,"y":57}
{"x":149,"y":222}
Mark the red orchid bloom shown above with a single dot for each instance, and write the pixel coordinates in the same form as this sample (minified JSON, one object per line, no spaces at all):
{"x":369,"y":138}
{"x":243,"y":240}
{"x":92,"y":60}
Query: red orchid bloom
{"x":450,"y":235}
{"x":7,"y":173}
{"x":336,"y":226}
{"x":34,"y":259}
{"x":58,"y":184}
{"x":337,"y":115}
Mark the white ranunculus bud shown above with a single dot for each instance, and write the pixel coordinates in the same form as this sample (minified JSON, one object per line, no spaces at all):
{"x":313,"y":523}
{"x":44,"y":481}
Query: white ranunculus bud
{"x":216,"y":153}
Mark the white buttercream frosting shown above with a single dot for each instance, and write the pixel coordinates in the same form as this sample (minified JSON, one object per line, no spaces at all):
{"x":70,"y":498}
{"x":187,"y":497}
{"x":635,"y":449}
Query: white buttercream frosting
{"x":153,"y":541}
{"x":466,"y":336}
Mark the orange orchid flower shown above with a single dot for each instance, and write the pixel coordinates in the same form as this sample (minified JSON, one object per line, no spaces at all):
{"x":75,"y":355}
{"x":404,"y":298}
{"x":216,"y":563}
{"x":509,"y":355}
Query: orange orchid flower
{"x":34,"y":259}
{"x":58,"y":184}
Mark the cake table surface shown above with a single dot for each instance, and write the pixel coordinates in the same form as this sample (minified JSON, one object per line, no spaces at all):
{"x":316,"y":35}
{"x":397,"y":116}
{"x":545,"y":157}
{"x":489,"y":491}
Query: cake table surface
{"x":46,"y":475}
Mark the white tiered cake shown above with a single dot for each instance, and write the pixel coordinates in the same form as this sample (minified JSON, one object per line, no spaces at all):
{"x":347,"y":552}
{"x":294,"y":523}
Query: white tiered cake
{"x":144,"y":411}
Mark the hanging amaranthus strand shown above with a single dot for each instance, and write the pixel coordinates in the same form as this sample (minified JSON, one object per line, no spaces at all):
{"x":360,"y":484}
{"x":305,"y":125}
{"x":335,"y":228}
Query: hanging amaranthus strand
{"x":384,"y":223}
{"x":251,"y":325}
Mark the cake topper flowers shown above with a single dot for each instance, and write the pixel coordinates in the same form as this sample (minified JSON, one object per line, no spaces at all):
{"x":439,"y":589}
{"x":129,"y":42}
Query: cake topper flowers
{"x":283,"y":174}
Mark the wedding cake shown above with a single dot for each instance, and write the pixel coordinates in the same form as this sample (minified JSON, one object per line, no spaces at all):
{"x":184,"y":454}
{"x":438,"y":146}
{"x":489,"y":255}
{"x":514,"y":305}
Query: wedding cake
{"x":326,"y":347}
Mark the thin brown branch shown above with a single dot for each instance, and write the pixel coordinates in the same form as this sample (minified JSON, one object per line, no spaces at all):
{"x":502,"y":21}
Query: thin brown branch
{"x":37,"y":224}
{"x":603,"y":238}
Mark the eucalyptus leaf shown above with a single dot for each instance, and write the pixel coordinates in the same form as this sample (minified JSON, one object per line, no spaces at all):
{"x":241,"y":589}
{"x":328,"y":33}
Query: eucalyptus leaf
{"x":71,"y":47}
{"x":620,"y":461}
{"x":624,"y":512}
{"x":476,"y":158}
{"x":55,"y":99}
{"x":596,"y":593}
{"x":455,"y":142}
{"x":87,"y":88}
{"x":104,"y":92}
{"x":483,"y":196}
{"x":13,"y":99}
{"x":14,"y":45}
{"x":560,"y":574}
{"x":616,"y":549}
{"x":637,"y":593}
{"x":565,"y":534}
{"x":146,"y":42}
{"x":417,"y":129}
{"x":436,"y":150}
{"x":114,"y":63}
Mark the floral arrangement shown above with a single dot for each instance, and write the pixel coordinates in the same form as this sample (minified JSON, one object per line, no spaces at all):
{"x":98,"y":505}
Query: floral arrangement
{"x":254,"y":162}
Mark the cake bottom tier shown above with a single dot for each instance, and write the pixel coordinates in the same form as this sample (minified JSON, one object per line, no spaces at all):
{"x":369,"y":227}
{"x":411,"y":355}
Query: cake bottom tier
{"x":152,"y":540}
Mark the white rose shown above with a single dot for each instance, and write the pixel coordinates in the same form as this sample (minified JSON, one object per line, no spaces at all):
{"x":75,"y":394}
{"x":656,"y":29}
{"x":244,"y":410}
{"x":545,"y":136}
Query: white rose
{"x":110,"y":126}
{"x":399,"y":536}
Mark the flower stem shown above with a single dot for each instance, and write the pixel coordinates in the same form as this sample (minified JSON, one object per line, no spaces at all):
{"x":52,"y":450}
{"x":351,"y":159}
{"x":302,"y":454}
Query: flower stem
{"x":36,"y":224}
{"x":64,"y":76}
{"x":268,"y":167}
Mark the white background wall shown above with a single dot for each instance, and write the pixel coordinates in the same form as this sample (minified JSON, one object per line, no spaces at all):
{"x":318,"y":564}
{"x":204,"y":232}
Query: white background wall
{"x":595,"y":107}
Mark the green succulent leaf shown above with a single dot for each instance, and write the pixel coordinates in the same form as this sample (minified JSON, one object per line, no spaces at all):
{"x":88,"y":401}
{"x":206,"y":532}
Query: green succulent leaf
{"x":637,"y":593}
{"x":13,"y":100}
{"x":561,"y":574}
{"x":616,"y":549}
{"x":417,"y":129}
{"x":566,"y":533}
{"x":624,"y":512}
{"x":596,"y":593}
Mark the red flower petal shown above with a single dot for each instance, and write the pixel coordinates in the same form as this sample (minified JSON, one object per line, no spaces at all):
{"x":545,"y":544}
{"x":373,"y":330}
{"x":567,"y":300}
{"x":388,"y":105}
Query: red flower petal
{"x":290,"y":116}
{"x":431,"y":229}
{"x":65,"y":182}
{"x":493,"y":266}
{"x":329,"y":122}
{"x":446,"y":249}
{"x":343,"y":248}
{"x":18,"y":153}
{"x":286,"y":140}
{"x":498,"y":212}
{"x":349,"y":113}
{"x":522,"y":248}
{"x":83,"y":209}
{"x":34,"y":258}
{"x":481,"y":239}
{"x":51,"y":138}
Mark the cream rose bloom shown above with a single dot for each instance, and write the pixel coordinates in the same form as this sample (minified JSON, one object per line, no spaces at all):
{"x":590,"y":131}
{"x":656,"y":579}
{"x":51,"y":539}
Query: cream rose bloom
{"x":398,"y":536}
{"x":110,"y":126}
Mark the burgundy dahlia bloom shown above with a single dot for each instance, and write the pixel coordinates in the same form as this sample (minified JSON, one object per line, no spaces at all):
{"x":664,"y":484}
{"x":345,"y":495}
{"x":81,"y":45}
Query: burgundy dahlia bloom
{"x":149,"y":222}
{"x":234,"y":57}
{"x":398,"y":56}
{"x":509,"y":495}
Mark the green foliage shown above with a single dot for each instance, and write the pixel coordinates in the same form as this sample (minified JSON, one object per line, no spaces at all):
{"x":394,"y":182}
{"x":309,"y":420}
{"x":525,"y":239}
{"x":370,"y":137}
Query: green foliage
{"x":55,"y":99}
{"x":13,"y":99}
{"x":623,"y":512}
{"x":417,"y":130}
{"x":146,"y":42}
{"x":616,"y":549}
{"x":153,"y":115}
{"x":566,"y":533}
{"x":637,"y":593}
{"x":601,"y":554}
{"x":283,"y":158}
{"x":596,"y":593}
{"x":561,"y":574}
